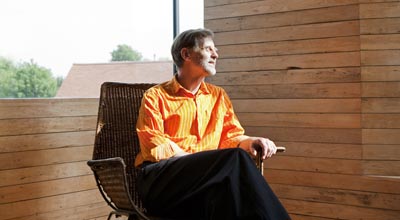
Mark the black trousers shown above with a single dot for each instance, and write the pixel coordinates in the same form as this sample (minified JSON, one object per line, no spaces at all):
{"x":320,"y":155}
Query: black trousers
{"x":210,"y":185}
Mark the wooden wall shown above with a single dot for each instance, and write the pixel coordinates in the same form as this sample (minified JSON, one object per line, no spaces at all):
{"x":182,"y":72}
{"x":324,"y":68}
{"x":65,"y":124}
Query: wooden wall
{"x":380,"y":75}
{"x":44,"y":146}
{"x":321,"y":78}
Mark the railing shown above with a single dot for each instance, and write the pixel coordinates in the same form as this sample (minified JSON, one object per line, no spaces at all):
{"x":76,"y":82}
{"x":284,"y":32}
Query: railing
{"x":44,"y":146}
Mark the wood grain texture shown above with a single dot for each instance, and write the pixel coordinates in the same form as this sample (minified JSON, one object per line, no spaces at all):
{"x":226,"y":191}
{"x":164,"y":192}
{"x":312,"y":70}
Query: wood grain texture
{"x":44,"y":146}
{"x":303,"y":61}
{"x":380,"y":73}
{"x":288,"y":76}
{"x":290,"y":18}
{"x":335,"y":196}
{"x":299,"y":32}
{"x":299,"y":105}
{"x":273,"y":6}
{"x":321,"y":79}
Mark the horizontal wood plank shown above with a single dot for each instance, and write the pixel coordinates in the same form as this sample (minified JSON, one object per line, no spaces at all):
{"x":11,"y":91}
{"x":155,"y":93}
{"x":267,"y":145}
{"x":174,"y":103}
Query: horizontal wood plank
{"x":210,"y":3}
{"x":319,"y":165}
{"x":381,"y":136}
{"x":382,"y":168}
{"x":97,"y":211}
{"x":300,"y":120}
{"x":326,"y":45}
{"x":381,"y":152}
{"x":380,"y":105}
{"x":44,"y":157}
{"x":298,"y":105}
{"x":14,"y":193}
{"x":375,"y":1}
{"x":304,"y":61}
{"x":338,"y":136}
{"x":322,"y":150}
{"x":380,"y":73}
{"x":380,"y":57}
{"x":337,"y":211}
{"x":48,"y":204}
{"x":380,"y":42}
{"x":290,"y":76}
{"x":46,"y":141}
{"x":380,"y":26}
{"x":46,"y":125}
{"x":333,"y":181}
{"x":387,"y":201}
{"x":273,"y":6}
{"x":43,"y":173}
{"x":381,"y":89}
{"x":380,"y":10}
{"x":306,"y":217}
{"x":294,"y":91}
{"x":300,"y":32}
{"x":36,"y":108}
{"x":290,"y":18}
{"x":380,"y":120}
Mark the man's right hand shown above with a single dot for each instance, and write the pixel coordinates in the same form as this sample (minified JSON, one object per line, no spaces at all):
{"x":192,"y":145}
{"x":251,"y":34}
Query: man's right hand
{"x":181,"y":153}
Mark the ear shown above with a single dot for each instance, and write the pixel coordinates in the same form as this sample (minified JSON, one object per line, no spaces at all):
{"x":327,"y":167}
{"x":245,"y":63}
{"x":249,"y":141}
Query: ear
{"x":185,"y":53}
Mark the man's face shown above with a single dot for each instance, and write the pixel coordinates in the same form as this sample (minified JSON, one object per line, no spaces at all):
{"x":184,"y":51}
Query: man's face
{"x":205,"y":56}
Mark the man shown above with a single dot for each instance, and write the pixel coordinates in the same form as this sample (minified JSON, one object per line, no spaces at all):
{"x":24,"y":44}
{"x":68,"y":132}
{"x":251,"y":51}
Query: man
{"x":194,"y":154}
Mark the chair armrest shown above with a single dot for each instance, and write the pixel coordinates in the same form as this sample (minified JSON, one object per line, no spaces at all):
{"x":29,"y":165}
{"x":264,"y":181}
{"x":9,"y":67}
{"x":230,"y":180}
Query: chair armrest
{"x":115,"y":161}
{"x":111,"y":180}
{"x":260,"y":161}
{"x":280,"y":149}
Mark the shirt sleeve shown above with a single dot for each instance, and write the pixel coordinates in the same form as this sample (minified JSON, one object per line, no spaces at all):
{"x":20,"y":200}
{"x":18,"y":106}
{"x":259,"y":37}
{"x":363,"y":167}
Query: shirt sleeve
{"x":232,"y":132}
{"x":155,"y":145}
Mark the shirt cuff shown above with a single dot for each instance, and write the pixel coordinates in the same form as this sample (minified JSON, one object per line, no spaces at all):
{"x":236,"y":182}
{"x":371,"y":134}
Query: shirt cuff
{"x":233,"y":142}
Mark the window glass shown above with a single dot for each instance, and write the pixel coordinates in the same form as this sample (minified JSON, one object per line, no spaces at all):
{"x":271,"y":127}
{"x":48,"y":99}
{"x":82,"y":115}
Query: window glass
{"x":46,"y":38}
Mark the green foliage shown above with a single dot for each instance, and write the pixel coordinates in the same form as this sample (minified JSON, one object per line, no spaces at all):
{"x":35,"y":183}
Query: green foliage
{"x":26,"y":80}
{"x":125,"y":53}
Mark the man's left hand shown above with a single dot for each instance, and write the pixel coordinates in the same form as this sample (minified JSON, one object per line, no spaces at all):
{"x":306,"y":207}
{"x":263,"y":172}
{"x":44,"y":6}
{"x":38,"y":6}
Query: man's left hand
{"x":252,"y":144}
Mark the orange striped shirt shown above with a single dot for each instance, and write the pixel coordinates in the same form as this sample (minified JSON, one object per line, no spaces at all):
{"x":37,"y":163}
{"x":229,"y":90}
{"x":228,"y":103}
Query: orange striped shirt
{"x":172,"y":119}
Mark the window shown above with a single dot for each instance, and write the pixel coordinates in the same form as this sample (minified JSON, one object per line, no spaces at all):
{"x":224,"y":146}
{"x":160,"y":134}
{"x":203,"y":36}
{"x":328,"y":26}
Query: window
{"x":54,"y":35}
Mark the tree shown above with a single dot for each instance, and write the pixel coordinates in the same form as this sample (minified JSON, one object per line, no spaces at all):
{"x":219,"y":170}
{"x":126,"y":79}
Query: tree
{"x":125,"y":53}
{"x":26,"y":80}
{"x":7,"y":71}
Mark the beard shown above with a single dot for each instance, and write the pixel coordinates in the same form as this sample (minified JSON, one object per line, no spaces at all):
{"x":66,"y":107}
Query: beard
{"x":209,"y":68}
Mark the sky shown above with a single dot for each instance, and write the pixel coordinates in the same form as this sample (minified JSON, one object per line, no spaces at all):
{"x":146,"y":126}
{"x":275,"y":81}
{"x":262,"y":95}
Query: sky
{"x":58,"y":33}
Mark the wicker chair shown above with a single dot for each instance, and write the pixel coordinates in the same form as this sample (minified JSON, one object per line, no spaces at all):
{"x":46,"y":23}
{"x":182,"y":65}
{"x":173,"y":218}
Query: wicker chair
{"x":116,"y":147}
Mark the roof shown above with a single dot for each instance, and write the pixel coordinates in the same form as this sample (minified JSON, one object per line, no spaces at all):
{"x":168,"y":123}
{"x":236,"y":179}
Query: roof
{"x":84,"y":80}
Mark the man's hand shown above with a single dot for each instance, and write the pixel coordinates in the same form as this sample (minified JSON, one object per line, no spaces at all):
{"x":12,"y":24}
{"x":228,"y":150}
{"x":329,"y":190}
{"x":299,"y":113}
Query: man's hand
{"x":252,"y":144}
{"x":181,"y":153}
{"x":178,"y":151}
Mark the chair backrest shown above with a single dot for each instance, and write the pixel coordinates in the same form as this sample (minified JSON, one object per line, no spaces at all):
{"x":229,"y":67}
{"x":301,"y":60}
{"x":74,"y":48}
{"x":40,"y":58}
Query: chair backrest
{"x":116,"y":127}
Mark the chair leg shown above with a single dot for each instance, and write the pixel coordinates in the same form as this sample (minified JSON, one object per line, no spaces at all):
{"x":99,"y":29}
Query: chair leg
{"x":117,"y":215}
{"x":109,"y":215}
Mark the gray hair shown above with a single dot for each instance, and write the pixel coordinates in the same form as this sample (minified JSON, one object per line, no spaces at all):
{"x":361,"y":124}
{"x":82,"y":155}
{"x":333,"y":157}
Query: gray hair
{"x":187,"y":39}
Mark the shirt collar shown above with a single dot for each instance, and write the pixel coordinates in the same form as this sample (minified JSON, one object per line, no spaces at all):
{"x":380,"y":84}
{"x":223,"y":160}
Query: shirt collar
{"x":174,"y":87}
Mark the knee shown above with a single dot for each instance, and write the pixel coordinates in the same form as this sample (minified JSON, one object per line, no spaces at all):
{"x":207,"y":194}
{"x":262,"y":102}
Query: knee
{"x":238,"y":153}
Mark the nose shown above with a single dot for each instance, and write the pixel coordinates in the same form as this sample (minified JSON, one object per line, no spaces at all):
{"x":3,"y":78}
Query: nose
{"x":214,"y":54}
